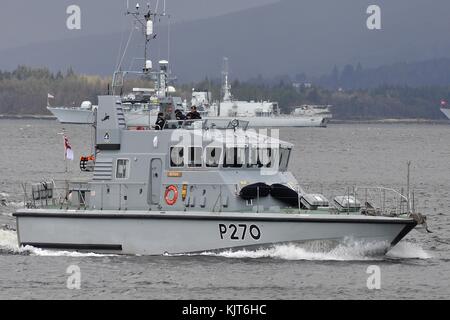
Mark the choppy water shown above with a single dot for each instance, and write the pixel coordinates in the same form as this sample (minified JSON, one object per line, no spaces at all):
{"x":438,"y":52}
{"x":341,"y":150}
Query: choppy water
{"x":325,"y":160}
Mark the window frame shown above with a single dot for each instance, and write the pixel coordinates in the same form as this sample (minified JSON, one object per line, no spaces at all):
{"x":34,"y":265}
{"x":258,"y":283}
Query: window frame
{"x":206,"y":153}
{"x":184,"y":157}
{"x":250,"y":162}
{"x":127,"y":168}
{"x":286,"y":162}
{"x":194,"y":165}
{"x":270,"y":155}
{"x":235,"y":164}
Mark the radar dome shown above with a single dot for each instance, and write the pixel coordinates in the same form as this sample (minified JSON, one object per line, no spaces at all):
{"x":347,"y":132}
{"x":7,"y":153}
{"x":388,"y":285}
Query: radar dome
{"x":86,"y":105}
{"x":171,"y":89}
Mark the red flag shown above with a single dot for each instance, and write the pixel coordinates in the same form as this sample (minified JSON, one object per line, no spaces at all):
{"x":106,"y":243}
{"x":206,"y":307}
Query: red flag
{"x":68,"y":152}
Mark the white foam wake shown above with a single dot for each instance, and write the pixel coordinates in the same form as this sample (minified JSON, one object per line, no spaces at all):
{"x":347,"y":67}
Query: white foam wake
{"x":9,"y":244}
{"x":8,"y":241}
{"x":408,"y":250}
{"x":16,"y":204}
{"x":347,"y":251}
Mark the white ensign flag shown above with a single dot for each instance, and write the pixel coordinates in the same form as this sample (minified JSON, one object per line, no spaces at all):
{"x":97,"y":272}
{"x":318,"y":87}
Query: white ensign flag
{"x":68,"y":149}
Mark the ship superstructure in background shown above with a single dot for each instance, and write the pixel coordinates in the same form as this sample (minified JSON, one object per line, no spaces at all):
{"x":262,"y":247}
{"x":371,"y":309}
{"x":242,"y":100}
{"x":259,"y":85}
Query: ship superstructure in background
{"x":141,"y":112}
{"x":310,"y":110}
{"x":84,"y":114}
{"x":141,"y":106}
{"x":229,"y":107}
{"x":257,"y":113}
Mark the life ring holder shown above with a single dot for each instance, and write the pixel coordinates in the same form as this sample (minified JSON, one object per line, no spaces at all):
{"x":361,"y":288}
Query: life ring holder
{"x":171,"y":189}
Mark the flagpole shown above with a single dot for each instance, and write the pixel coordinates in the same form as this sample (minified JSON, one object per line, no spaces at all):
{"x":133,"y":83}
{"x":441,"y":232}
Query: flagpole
{"x":65,"y":151}
{"x":66,"y":167}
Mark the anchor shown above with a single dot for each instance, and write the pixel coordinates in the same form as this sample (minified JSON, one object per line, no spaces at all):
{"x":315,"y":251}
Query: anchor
{"x":421,"y":220}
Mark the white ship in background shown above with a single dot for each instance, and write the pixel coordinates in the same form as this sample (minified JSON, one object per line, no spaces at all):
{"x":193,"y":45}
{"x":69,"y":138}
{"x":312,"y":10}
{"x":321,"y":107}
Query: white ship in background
{"x":141,"y":108}
{"x":84,"y":114}
{"x":136,"y":112}
{"x":257,"y":113}
{"x":313,"y":110}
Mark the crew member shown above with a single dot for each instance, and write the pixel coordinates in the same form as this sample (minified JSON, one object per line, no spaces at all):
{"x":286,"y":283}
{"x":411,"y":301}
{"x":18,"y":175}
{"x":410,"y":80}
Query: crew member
{"x":160,"y":122}
{"x":193,"y":115}
{"x":179,"y":115}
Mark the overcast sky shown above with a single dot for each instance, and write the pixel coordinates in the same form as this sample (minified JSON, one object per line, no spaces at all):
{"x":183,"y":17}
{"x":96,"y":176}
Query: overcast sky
{"x":23,"y":21}
{"x":266,"y":37}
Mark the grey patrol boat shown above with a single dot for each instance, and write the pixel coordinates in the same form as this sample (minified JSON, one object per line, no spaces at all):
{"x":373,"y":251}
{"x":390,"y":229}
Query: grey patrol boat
{"x":196,"y":186}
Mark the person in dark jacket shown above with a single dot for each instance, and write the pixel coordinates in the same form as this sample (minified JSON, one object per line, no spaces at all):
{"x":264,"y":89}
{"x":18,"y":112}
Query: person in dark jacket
{"x":193,"y":115}
{"x":160,"y":122}
{"x":179,"y":115}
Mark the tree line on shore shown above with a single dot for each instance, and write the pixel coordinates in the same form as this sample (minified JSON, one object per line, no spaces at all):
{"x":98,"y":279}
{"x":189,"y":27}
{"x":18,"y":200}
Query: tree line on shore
{"x":24,"y":91}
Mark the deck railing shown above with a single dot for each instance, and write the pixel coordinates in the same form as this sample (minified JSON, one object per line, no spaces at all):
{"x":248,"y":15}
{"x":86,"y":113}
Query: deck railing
{"x":65,"y":195}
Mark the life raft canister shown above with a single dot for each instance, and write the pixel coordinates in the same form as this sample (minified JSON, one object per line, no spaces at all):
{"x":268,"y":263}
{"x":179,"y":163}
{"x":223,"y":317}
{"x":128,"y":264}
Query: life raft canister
{"x":171,"y":195}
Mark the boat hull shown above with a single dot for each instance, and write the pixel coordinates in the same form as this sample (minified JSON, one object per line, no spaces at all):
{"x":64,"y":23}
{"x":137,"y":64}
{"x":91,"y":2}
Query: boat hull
{"x":72,"y":116}
{"x":144,"y":119}
{"x":279,"y":122}
{"x":137,"y":119}
{"x":174,"y":233}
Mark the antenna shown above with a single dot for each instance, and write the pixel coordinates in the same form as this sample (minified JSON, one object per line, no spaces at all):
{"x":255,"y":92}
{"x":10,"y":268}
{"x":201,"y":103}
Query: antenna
{"x":408,"y":192}
{"x":226,"y":88}
{"x":168,"y":38}
{"x":143,"y":21}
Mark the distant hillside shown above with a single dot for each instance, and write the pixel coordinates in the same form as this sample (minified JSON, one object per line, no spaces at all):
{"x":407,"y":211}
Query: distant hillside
{"x":288,"y":37}
{"x":425,"y":73}
{"x":24,"y":91}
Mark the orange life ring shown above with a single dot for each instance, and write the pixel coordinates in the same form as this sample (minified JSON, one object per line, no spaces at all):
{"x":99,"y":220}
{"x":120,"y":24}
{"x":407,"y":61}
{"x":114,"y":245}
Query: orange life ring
{"x":167,"y":196}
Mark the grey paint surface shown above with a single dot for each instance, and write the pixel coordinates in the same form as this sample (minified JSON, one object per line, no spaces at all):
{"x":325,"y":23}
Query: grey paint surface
{"x":156,"y":234}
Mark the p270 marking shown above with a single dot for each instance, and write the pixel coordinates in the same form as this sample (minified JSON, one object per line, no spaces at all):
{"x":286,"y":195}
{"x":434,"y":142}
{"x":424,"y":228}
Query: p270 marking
{"x":239,"y":232}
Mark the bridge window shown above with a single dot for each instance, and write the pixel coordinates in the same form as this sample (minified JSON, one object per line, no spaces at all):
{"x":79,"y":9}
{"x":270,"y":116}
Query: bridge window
{"x":234,"y":157}
{"x":195,"y":157}
{"x":212,"y":157}
{"x":285,"y":154}
{"x":177,"y":157}
{"x":252,"y":157}
{"x":260,"y":157}
{"x":265,"y":157}
{"x":122,"y":168}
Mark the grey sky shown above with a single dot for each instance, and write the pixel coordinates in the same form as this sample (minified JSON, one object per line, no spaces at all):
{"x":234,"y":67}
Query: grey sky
{"x":23,"y":21}
{"x":271,"y":38}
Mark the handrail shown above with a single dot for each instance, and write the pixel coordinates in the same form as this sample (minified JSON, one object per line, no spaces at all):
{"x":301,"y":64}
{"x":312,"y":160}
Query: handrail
{"x":383,"y":188}
{"x":192,"y":124}
{"x":378,"y":200}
